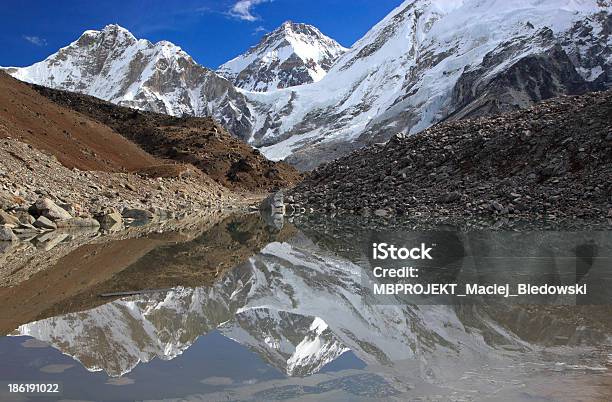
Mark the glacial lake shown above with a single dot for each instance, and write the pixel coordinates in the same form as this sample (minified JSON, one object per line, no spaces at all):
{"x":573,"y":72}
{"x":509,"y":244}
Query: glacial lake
{"x":253,"y":309}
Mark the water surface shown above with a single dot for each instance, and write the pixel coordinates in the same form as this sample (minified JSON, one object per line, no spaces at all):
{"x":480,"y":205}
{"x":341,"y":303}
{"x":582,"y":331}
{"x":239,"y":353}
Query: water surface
{"x":256,"y":309}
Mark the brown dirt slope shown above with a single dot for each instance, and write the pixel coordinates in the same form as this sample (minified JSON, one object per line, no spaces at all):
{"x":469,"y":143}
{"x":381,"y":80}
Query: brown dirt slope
{"x":196,"y":140}
{"x":552,"y":160}
{"x":75,"y":139}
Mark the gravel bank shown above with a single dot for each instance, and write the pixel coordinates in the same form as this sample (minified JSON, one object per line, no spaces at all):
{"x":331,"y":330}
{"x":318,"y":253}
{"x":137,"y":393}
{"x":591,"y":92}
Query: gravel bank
{"x":552,"y":161}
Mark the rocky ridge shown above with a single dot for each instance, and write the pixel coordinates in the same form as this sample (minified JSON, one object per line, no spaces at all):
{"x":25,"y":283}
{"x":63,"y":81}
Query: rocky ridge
{"x":553,"y":160}
{"x":198,"y":141}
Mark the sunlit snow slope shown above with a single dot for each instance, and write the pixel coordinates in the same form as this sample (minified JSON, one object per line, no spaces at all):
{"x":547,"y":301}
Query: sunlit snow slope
{"x":293,"y":54}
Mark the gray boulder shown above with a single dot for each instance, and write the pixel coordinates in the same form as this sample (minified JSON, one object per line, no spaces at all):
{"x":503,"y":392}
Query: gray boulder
{"x":137,"y":214}
{"x":49,"y":209}
{"x":110,"y":220}
{"x":44,"y":223}
{"x":6,"y":200}
{"x":25,"y":229}
{"x":382,"y":213}
{"x":50,"y":240}
{"x":274,"y":203}
{"x":78,"y":223}
{"x":162,"y":214}
{"x":6,"y":234}
{"x":8,"y":219}
{"x":450,"y":197}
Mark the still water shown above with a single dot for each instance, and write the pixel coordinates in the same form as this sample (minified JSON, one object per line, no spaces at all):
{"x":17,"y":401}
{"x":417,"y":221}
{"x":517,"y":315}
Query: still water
{"x":249,"y":309}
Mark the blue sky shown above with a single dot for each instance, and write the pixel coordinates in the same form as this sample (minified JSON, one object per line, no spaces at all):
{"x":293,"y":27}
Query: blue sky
{"x":212,"y":31}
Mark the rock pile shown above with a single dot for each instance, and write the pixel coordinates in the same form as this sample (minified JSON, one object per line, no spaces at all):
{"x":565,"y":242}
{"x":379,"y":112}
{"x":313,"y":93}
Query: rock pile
{"x":551,"y":161}
{"x":38,"y":194}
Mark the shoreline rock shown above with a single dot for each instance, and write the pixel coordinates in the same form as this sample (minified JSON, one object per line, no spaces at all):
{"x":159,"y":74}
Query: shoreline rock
{"x":78,"y":223}
{"x":44,"y":223}
{"x":38,"y":194}
{"x":47,"y":208}
{"x":274,"y":203}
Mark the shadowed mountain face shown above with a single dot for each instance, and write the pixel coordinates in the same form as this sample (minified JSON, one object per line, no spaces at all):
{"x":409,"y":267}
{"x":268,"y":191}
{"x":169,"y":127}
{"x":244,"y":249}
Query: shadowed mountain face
{"x":301,"y":306}
{"x":199,"y":141}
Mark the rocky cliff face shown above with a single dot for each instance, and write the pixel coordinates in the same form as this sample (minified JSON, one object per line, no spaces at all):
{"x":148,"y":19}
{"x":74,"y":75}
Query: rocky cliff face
{"x":293,"y":54}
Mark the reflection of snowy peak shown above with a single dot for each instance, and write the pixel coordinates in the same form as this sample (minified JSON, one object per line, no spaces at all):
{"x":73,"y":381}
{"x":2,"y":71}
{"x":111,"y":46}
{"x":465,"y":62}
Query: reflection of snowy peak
{"x":298,"y":307}
{"x":293,"y":54}
{"x":117,"y":336}
{"x":297,"y":344}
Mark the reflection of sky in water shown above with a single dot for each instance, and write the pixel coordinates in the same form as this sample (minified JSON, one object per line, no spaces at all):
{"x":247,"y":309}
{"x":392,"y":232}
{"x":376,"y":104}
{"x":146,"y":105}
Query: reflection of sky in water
{"x":213,"y":363}
{"x":290,"y":323}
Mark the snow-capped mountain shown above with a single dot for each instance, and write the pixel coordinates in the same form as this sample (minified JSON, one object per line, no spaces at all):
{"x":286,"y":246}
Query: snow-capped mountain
{"x":429,"y":60}
{"x":113,"y":65}
{"x":293,"y":54}
{"x":426,"y":62}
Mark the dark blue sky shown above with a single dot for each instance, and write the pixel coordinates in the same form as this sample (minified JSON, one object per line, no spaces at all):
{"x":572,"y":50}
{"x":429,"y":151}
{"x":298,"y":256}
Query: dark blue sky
{"x":212,"y":31}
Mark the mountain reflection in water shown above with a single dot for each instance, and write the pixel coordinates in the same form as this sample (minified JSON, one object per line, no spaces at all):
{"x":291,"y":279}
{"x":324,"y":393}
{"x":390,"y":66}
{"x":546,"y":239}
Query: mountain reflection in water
{"x":288,"y":303}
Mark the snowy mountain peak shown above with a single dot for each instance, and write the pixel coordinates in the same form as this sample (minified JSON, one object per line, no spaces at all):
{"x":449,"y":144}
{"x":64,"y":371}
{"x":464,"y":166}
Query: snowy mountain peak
{"x":431,"y":60}
{"x":288,"y":25}
{"x":116,"y":29}
{"x":293,"y":54}
{"x":112,"y":33}
{"x":427,"y":61}
{"x":119,"y":38}
{"x":113,"y":65}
